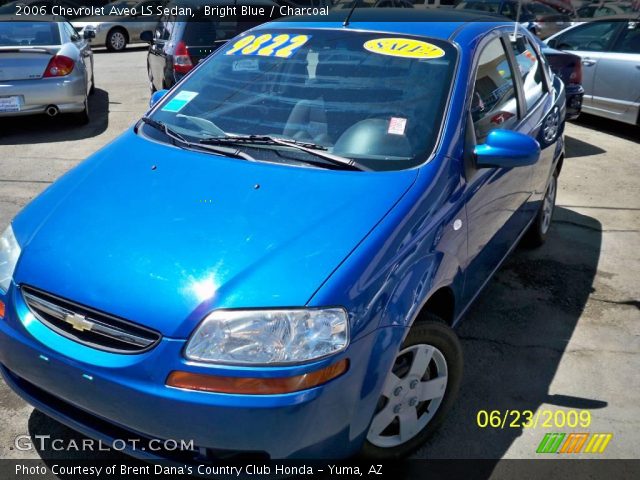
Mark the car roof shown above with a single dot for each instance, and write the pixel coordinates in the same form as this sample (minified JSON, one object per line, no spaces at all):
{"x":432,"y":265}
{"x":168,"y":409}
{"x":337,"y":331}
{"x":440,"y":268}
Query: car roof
{"x":444,"y":24}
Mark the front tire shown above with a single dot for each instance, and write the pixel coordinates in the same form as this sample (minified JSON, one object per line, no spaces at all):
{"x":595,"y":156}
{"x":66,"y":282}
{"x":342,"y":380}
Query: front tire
{"x":418,"y":392}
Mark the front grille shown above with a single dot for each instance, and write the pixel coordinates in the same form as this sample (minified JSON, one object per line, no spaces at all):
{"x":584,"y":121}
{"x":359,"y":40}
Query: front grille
{"x":88,"y":326}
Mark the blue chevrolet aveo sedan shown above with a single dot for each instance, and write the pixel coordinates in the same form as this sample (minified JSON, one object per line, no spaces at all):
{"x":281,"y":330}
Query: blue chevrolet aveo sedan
{"x":273,"y":259}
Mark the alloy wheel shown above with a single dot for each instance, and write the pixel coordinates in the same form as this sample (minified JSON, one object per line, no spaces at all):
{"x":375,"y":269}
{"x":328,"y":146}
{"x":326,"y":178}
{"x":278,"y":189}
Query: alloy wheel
{"x":117,"y":40}
{"x":548,"y":205}
{"x":551,"y":125}
{"x":411,"y":396}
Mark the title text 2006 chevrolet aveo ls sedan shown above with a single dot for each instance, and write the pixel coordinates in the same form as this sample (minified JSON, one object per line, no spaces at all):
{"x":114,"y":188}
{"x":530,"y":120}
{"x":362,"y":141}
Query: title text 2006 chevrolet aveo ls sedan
{"x":272,"y":260}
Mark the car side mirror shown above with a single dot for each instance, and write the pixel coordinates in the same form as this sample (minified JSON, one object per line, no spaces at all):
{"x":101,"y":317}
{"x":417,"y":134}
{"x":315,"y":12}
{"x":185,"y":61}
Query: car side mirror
{"x":147,"y":36}
{"x":88,"y":34}
{"x":157,"y":96}
{"x":507,"y":149}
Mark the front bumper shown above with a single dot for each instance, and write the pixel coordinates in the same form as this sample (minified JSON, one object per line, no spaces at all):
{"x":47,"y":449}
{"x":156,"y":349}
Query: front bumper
{"x":106,"y":395}
{"x":67,"y":93}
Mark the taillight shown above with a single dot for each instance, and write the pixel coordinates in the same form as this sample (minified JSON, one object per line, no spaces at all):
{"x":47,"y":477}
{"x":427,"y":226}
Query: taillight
{"x":576,"y":74}
{"x":181,"y":60}
{"x":59,"y":66}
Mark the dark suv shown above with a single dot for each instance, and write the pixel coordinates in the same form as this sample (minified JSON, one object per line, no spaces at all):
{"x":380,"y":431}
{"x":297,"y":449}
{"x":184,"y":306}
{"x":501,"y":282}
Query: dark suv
{"x":179,"y":42}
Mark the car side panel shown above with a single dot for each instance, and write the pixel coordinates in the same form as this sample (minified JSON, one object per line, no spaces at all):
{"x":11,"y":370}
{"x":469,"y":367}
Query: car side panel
{"x":608,"y":99}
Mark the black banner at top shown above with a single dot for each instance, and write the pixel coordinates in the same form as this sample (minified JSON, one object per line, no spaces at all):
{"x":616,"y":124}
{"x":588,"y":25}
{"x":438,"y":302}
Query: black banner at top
{"x":259,"y":11}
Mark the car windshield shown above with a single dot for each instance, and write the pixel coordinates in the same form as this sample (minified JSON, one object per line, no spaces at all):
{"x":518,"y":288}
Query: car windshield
{"x":13,"y":34}
{"x":375,"y":98}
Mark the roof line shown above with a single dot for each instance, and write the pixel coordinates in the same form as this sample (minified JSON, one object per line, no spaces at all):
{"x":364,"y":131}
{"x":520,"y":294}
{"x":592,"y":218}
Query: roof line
{"x":455,"y":32}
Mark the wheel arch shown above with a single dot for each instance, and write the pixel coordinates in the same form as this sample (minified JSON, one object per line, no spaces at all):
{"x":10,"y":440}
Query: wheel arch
{"x":441,"y":303}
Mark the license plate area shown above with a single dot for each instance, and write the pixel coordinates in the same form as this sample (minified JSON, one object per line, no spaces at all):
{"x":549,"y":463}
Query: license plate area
{"x":10,"y":104}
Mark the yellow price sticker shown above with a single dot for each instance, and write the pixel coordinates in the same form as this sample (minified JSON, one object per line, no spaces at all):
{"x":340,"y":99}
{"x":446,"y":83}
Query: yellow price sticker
{"x":403,"y":47}
{"x":268,"y":45}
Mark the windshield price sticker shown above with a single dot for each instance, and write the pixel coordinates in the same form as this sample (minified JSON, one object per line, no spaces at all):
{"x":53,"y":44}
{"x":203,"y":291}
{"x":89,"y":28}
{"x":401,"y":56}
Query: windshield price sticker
{"x":397,"y":126}
{"x":178,"y":102}
{"x":268,"y":45}
{"x":403,"y":47}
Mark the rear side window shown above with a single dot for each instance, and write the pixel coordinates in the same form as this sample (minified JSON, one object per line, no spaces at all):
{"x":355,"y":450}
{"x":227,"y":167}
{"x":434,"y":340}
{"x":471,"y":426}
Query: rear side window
{"x":29,"y":33}
{"x":530,"y":69}
{"x":629,"y":40}
{"x":592,"y":37}
{"x":494,"y":102}
{"x":71,"y":32}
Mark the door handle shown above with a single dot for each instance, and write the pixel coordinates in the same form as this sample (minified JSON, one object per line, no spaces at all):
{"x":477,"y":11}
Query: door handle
{"x":588,"y":62}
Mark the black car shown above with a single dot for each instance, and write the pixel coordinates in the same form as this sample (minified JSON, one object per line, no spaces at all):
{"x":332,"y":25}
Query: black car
{"x":568,"y":67}
{"x":179,"y":42}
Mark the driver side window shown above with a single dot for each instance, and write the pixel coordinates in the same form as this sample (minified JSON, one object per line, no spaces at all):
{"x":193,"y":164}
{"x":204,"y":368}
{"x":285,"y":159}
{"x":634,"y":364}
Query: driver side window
{"x":494,"y":103}
{"x":594,"y":37}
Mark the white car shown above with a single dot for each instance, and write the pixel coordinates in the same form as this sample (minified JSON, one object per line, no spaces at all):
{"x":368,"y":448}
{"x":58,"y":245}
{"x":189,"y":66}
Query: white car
{"x":116,"y":33}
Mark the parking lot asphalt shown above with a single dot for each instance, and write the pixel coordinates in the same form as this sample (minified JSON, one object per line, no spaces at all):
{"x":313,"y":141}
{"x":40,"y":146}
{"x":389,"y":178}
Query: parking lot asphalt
{"x":557,"y":329}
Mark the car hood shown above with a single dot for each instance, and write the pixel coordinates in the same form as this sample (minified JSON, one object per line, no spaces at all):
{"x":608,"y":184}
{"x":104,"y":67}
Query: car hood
{"x":161,"y":236}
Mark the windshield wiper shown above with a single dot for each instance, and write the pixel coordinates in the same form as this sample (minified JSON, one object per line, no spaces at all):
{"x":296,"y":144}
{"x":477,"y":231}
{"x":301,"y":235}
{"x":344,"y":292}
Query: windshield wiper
{"x":180,"y":141}
{"x":308,"y":147}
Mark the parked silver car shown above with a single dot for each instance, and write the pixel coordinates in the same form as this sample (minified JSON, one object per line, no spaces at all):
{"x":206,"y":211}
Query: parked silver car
{"x":116,"y":32}
{"x":45,"y":67}
{"x":610,"y":52}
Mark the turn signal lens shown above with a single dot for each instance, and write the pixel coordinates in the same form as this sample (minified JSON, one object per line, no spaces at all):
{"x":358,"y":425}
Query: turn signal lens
{"x":256,"y":386}
{"x":59,"y":66}
{"x":2,"y":309}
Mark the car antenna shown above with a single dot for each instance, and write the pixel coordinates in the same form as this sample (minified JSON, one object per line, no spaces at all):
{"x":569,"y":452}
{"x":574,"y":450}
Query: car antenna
{"x":353,"y":7}
{"x":515,"y":30}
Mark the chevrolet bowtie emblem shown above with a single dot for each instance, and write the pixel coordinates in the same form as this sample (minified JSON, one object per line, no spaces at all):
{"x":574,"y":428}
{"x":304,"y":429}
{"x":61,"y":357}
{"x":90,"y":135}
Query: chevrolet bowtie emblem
{"x":78,"y":322}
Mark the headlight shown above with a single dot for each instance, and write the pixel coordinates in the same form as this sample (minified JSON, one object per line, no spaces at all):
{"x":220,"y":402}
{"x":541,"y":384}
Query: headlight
{"x":269,"y":336}
{"x":9,"y":253}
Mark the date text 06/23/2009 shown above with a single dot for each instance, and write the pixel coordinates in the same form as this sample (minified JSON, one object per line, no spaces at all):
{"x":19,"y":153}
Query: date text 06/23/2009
{"x":533,"y":419}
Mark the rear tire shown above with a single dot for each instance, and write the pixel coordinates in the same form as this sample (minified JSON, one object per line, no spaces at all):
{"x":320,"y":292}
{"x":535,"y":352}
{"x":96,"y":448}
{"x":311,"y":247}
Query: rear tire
{"x":537,"y":233}
{"x":83,"y":117}
{"x":415,"y":400}
{"x":116,"y":40}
